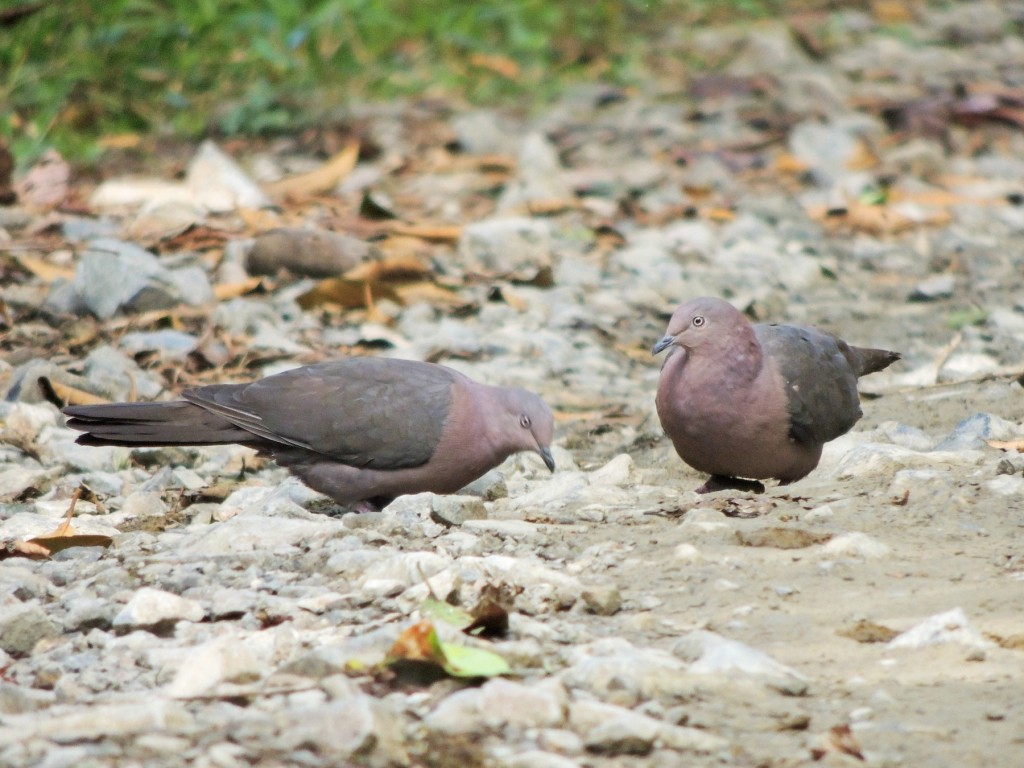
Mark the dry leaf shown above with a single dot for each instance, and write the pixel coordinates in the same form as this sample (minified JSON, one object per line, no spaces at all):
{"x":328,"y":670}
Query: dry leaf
{"x":432,"y":294}
{"x":791,"y":164}
{"x":347,"y":294}
{"x":318,"y":181}
{"x":417,"y":643}
{"x":120,"y":141}
{"x":433,"y":232}
{"x":1007,"y":445}
{"x":551,"y":207}
{"x":501,"y":65}
{"x":257,"y":220}
{"x":225,"y":291}
{"x":63,"y":393}
{"x":44,"y":270}
{"x":393,"y":269}
{"x":63,"y":537}
{"x":839,"y":739}
{"x":781,"y":538}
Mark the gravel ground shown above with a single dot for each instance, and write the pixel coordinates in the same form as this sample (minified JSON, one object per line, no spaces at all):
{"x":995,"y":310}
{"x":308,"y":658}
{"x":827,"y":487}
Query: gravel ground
{"x":832,"y":174}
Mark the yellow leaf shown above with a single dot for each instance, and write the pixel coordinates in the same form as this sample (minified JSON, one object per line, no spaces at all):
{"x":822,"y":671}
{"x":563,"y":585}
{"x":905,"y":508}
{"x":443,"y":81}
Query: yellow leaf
{"x":317,"y":181}
{"x":44,"y":270}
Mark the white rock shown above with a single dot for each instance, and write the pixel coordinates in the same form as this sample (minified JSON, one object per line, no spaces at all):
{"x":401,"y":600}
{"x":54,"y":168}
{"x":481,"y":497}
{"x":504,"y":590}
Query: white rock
{"x":251,"y":533}
{"x":615,"y":670}
{"x":26,"y":420}
{"x":219,"y":184}
{"x":98,"y":721}
{"x":614,"y":730}
{"x":710,"y":653}
{"x":686,"y":552}
{"x":857,"y":544}
{"x":1006,"y":485}
{"x":619,"y":471}
{"x":881,"y":459}
{"x":499,"y":704}
{"x":144,"y":504}
{"x":149,"y":607}
{"x":226,"y":659}
{"x":535,"y":758}
{"x":952,"y":626}
{"x":57,"y":508}
{"x":14,"y":481}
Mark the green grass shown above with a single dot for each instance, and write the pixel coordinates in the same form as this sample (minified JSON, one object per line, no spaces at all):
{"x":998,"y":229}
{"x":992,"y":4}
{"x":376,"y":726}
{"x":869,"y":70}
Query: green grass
{"x":78,"y":70}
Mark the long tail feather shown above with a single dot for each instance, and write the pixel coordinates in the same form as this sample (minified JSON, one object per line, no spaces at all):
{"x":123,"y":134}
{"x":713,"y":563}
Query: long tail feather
{"x":151,"y":424}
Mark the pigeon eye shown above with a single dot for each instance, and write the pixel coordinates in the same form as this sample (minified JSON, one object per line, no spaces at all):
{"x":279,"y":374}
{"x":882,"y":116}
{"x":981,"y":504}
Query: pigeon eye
{"x":698,"y":321}
{"x":524,"y":421}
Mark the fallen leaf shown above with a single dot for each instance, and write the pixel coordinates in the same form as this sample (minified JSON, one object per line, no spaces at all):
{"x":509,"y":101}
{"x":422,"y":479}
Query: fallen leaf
{"x":393,"y":269}
{"x":318,"y":181}
{"x":120,"y":141}
{"x":347,"y":294}
{"x":781,"y":538}
{"x":433,"y":232}
{"x":420,"y":644}
{"x":446,"y":612}
{"x":68,"y":395}
{"x":63,"y":537}
{"x":44,"y":270}
{"x":225,"y":291}
{"x":1007,"y":445}
{"x":865,"y":631}
{"x":839,"y":739}
{"x":501,"y":65}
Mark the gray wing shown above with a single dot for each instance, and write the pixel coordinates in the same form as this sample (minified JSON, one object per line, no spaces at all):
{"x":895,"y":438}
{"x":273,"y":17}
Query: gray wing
{"x":359,"y":411}
{"x":821,"y":387}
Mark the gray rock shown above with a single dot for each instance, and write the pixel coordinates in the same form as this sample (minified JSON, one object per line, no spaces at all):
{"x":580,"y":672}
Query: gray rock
{"x":15,"y":481}
{"x":112,"y":373}
{"x":171,"y":344}
{"x":535,"y":758}
{"x":456,"y":510}
{"x":17,"y":699}
{"x":514,"y":246}
{"x":616,"y":671}
{"x":99,"y":721}
{"x":951,"y":626}
{"x":355,"y":727}
{"x":219,"y":184}
{"x":152,"y":608}
{"x":309,"y":252}
{"x":484,"y":132}
{"x":250,"y":532}
{"x":603,"y":600}
{"x":500,"y":704}
{"x":22,"y":625}
{"x":539,"y":175}
{"x":934,"y":288}
{"x":113,"y":275}
{"x":972,"y":432}
{"x":611,"y":730}
{"x":489,"y":486}
{"x":709,"y":653}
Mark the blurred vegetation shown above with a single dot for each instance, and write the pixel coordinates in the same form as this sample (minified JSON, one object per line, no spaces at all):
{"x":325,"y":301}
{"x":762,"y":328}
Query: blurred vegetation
{"x":75,"y":70}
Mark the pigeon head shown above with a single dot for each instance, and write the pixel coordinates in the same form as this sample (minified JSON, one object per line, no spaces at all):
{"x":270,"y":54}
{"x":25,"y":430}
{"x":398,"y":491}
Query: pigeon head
{"x":704,"y":323}
{"x":529,"y":424}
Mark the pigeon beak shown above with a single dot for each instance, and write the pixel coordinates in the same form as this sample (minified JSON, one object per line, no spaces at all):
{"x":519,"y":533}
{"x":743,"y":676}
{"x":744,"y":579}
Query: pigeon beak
{"x":664,"y":342}
{"x":549,"y":460}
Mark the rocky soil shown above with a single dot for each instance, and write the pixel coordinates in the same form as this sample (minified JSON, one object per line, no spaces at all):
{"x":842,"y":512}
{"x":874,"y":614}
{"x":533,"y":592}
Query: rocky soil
{"x":844,"y":171}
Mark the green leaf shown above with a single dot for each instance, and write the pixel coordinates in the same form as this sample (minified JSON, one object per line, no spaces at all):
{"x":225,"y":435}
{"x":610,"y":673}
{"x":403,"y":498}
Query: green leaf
{"x":462,"y":661}
{"x":449,"y":614}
